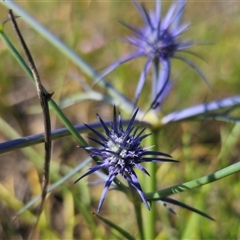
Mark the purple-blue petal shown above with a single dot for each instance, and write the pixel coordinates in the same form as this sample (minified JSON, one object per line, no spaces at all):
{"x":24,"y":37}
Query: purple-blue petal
{"x":193,"y":66}
{"x":134,"y":29}
{"x":152,"y":159}
{"x":180,"y":30}
{"x":107,"y":131}
{"x":96,"y":141}
{"x":156,"y":153}
{"x":167,"y":20}
{"x":142,"y":169}
{"x":143,"y":13}
{"x":132,"y":120}
{"x":105,"y":190}
{"x":136,"y":184}
{"x":117,"y":63}
{"x":115,"y":121}
{"x":157,"y":12}
{"x":96,"y":132}
{"x":180,"y":9}
{"x":92,"y":170}
{"x":142,"y":80}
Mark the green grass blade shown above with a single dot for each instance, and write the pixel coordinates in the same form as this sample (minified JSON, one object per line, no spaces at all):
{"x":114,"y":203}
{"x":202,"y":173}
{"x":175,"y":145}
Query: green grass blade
{"x":125,"y":234}
{"x":183,"y":205}
{"x":80,"y":97}
{"x":15,"y":53}
{"x":234,"y":168}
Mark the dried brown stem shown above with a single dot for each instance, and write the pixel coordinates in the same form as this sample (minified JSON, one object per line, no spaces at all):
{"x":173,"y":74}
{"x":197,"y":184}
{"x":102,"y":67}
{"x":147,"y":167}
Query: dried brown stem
{"x":44,"y":98}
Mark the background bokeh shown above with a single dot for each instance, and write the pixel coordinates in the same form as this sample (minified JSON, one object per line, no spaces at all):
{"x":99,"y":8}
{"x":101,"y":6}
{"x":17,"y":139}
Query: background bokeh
{"x":92,"y":29}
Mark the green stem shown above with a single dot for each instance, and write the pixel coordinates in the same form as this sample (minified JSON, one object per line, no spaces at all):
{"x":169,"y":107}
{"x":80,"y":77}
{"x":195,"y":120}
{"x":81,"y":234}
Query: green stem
{"x":155,"y":78}
{"x":150,"y":185}
{"x":234,"y":168}
{"x":150,"y":182}
{"x":138,"y":213}
{"x":137,"y":203}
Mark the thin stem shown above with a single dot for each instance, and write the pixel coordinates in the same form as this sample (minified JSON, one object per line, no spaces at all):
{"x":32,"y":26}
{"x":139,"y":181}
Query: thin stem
{"x":234,"y":168}
{"x":137,"y":210}
{"x":43,"y":98}
{"x":155,"y":78}
{"x":150,"y":182}
{"x":150,"y":185}
{"x":55,"y":134}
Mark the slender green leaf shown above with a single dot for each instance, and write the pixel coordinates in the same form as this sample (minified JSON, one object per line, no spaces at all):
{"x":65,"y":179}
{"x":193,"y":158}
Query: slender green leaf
{"x":116,"y":227}
{"x":234,"y":168}
{"x":183,"y":205}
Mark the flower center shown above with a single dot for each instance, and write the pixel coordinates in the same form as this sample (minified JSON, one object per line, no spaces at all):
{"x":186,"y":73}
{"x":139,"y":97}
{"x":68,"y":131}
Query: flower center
{"x":160,"y":44}
{"x":123,"y":157}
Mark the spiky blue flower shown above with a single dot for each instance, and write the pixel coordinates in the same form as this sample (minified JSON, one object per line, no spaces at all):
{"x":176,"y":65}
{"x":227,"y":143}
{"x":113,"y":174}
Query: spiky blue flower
{"x":120,"y":152}
{"x":158,"y":41}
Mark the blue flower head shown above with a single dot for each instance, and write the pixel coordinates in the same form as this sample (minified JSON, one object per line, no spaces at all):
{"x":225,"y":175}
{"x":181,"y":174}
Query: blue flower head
{"x":120,"y":152}
{"x":158,"y":41}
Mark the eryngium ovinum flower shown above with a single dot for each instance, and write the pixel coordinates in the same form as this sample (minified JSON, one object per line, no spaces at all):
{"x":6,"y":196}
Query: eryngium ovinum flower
{"x":158,"y":41}
{"x":120,"y":152}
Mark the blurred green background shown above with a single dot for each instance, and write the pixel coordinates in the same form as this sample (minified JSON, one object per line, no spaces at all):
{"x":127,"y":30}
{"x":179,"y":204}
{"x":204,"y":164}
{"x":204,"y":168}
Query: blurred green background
{"x":92,"y":29}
